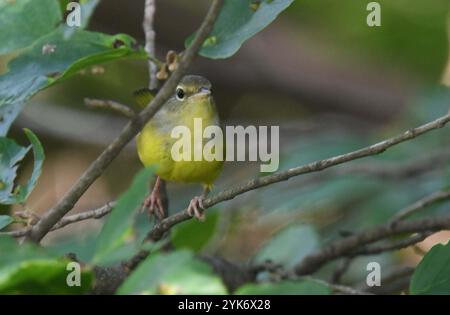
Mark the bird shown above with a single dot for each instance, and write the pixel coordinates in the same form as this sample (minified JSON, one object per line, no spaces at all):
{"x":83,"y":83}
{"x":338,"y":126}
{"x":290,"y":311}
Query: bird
{"x":192,"y":99}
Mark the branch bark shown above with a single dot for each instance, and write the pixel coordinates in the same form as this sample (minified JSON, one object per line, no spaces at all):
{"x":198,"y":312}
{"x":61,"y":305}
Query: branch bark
{"x":86,"y":215}
{"x":112,"y":105}
{"x":420,"y":205}
{"x":228,"y":194}
{"x":68,"y":201}
{"x":384,"y":170}
{"x":382,"y":248}
{"x":347,"y":246}
{"x":149,"y":13}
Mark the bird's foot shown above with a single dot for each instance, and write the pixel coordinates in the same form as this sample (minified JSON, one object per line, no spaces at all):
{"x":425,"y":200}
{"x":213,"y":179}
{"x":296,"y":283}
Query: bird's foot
{"x":196,"y":208}
{"x":154,"y":206}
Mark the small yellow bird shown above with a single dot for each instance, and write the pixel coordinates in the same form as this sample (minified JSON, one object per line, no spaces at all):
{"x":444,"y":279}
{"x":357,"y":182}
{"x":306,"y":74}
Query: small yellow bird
{"x":192,"y":99}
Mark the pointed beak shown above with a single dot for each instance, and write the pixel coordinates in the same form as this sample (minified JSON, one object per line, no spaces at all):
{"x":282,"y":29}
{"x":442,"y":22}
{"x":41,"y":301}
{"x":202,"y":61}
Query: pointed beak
{"x":205,"y":91}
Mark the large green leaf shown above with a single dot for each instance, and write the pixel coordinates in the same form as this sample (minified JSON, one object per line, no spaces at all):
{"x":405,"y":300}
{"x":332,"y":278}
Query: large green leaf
{"x":238,"y":21}
{"x":42,"y":276}
{"x":34,"y":70}
{"x":23,"y":21}
{"x":307,"y":287}
{"x":10,"y":155}
{"x":29,"y":269}
{"x":194,"y":236}
{"x":24,"y":31}
{"x":432,"y":275}
{"x":289,"y":246}
{"x":175,"y":273}
{"x":117,"y":239}
{"x":48,"y":55}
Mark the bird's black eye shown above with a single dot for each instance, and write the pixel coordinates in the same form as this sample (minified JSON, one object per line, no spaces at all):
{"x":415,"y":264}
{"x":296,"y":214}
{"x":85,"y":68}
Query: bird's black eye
{"x":180,"y":94}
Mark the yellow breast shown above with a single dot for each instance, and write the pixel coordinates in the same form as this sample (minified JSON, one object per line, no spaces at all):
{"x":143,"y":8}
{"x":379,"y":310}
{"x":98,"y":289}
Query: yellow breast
{"x":154,"y":144}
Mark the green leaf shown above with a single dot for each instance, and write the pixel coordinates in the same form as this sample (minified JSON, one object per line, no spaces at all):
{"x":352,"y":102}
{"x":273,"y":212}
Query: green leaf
{"x":42,"y":276}
{"x":19,"y":253}
{"x":5,"y":220}
{"x":29,"y":269}
{"x":34,"y":70}
{"x":9,"y":158}
{"x":38,"y":151}
{"x":29,"y":20}
{"x":238,"y":21}
{"x":194,"y":236}
{"x":23,"y":21}
{"x":289,"y":246}
{"x":117,"y":239}
{"x":175,"y":273}
{"x":432,"y":275}
{"x":34,"y":25}
{"x":307,"y":287}
{"x":10,"y":154}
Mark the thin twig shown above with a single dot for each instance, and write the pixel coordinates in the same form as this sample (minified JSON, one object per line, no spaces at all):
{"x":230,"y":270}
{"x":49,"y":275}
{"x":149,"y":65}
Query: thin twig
{"x":149,"y":13}
{"x":382,"y":248}
{"x":51,"y":217}
{"x":85,"y":215}
{"x":421,"y":204}
{"x":384,"y":170}
{"x":112,"y":105}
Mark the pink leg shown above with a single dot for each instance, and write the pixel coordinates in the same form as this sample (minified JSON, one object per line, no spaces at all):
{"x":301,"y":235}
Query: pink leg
{"x":153,"y":203}
{"x":196,"y":207}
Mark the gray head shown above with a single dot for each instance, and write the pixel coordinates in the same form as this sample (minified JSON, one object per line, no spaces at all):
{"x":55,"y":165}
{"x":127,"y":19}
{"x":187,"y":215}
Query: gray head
{"x":192,"y":86}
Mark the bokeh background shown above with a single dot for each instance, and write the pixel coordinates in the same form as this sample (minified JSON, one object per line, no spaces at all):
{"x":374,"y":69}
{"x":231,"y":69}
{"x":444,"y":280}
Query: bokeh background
{"x":329,"y":81}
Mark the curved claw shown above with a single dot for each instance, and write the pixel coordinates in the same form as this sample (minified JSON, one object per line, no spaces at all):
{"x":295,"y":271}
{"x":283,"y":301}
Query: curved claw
{"x":196,"y":208}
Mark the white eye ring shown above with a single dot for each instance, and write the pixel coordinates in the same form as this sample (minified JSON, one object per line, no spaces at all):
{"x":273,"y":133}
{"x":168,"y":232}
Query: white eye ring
{"x":179,"y":94}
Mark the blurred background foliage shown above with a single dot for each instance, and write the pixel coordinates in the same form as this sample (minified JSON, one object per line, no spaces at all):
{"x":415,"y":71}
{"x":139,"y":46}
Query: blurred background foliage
{"x":329,"y":81}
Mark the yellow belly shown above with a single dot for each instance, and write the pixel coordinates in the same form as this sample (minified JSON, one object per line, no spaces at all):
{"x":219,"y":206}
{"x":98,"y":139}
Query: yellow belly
{"x":154,"y":148}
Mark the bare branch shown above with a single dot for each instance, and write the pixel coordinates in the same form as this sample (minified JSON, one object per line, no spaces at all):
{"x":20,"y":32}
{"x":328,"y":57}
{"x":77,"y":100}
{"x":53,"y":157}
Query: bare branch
{"x":347,"y":246}
{"x":85,"y":215}
{"x":92,"y":214}
{"x":149,"y":13}
{"x":384,"y":170}
{"x":320,"y":165}
{"x":377,"y":249}
{"x":112,"y":105}
{"x":420,"y":205}
{"x":68,"y":201}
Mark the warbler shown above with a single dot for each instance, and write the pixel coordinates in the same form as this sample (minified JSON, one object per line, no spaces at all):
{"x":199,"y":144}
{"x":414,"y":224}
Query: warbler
{"x":192,"y":100}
